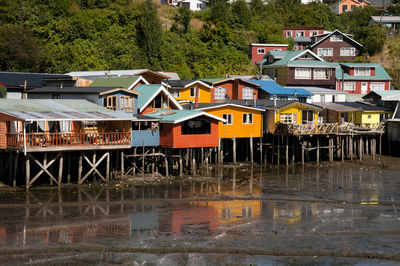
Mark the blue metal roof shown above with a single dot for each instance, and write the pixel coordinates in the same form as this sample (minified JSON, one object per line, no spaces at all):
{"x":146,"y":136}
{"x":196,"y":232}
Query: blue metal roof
{"x":273,"y":88}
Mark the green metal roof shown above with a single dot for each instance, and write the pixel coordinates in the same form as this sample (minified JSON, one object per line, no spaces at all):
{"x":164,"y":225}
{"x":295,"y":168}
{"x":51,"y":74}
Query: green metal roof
{"x":276,"y":53}
{"x":171,"y":116}
{"x":387,"y":93}
{"x":380,"y":73}
{"x":28,"y":105}
{"x":147,"y":91}
{"x":287,"y":61}
{"x":125,"y":83}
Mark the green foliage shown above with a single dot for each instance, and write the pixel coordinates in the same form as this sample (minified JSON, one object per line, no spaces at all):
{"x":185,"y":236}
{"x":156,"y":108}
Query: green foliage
{"x":182,"y":19}
{"x":241,"y":14}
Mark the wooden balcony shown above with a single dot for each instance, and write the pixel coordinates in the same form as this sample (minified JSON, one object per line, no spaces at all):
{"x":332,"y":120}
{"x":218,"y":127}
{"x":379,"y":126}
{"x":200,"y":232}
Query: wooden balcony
{"x":69,"y":141}
{"x":329,"y":128}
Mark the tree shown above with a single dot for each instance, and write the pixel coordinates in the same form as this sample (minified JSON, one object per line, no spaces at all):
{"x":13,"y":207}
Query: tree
{"x":183,"y":19}
{"x":220,"y":12}
{"x":149,"y":32}
{"x":241,"y":13}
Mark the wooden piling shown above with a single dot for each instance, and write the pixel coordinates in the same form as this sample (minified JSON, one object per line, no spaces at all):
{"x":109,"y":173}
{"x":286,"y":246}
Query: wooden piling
{"x":234,"y":150}
{"x":251,"y":150}
{"x":351,"y":148}
{"x":287,"y":150}
{"x":69,"y":168}
{"x":342,"y":149}
{"x":60,"y":168}
{"x":318,"y":159}
{"x":261,"y":151}
{"x":302,"y":152}
{"x":108,"y":168}
{"x":122,"y":165}
{"x":80,"y":168}
{"x":180,"y":164}
{"x":27,"y":172}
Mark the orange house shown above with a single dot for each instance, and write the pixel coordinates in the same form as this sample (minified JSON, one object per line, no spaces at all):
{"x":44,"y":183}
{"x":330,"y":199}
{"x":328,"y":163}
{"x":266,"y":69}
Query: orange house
{"x":232,"y":89}
{"x":187,"y":128}
{"x":348,"y":5}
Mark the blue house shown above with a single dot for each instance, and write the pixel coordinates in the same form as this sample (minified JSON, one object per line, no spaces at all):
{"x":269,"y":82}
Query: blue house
{"x":270,"y":90}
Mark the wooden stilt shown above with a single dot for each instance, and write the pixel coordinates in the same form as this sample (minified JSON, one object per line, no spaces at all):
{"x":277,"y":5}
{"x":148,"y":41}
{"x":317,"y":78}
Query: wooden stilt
{"x":153,"y":161}
{"x":380,"y":144}
{"x":251,"y":150}
{"x":69,"y":168}
{"x":27,"y":172}
{"x":273,"y":149}
{"x":342,"y":149}
{"x":261,"y":151}
{"x":194,"y":166}
{"x":234,"y":150}
{"x":166,"y":166}
{"x":279,"y":151}
{"x":108,"y":168}
{"x":180,"y":164}
{"x":143,"y":159}
{"x":302,"y":152}
{"x":360,"y":150}
{"x":202,"y":155}
{"x":293,"y":150}
{"x":80,"y":169}
{"x":122,"y":164}
{"x":15,"y":168}
{"x":287,"y":150}
{"x":60,"y":168}
{"x":330,"y":149}
{"x":10,"y":169}
{"x":318,"y":159}
{"x":351,"y":148}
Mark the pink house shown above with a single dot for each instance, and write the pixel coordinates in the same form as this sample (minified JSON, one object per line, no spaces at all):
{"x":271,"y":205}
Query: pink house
{"x":259,"y":50}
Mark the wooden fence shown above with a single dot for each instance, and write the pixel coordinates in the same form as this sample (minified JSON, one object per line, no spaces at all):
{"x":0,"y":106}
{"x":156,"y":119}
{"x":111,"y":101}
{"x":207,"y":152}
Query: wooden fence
{"x":327,"y":128}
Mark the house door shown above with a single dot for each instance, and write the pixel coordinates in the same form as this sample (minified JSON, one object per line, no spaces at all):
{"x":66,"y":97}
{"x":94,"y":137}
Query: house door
{"x":307,"y":116}
{"x":364,"y":87}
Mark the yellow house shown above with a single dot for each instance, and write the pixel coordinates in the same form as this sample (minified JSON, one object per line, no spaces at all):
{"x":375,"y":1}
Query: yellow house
{"x":362,"y":114}
{"x":288,"y":112}
{"x":241,"y":121}
{"x":184,"y":91}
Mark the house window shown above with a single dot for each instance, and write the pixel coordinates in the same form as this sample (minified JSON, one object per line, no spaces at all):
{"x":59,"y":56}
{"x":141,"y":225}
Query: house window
{"x":145,"y":125}
{"x":55,"y":96}
{"x":260,"y":51}
{"x":110,"y":102}
{"x":325,"y":52}
{"x":299,"y":33}
{"x":126,"y":104}
{"x":193,"y":92}
{"x":377,"y":86}
{"x":362,"y":71}
{"x":349,"y":86}
{"x":196,"y":126}
{"x":347,"y":51}
{"x":160,"y":101}
{"x":307,"y":116}
{"x":321,"y":73}
{"x":302,"y":73}
{"x":175,"y":93}
{"x":228,"y":118}
{"x":287,"y":118}
{"x":344,"y":8}
{"x":336,"y":38}
{"x":247,"y":93}
{"x":352,"y":7}
{"x":313,"y":33}
{"x":219,"y":93}
{"x":288,"y":33}
{"x":247,"y":118}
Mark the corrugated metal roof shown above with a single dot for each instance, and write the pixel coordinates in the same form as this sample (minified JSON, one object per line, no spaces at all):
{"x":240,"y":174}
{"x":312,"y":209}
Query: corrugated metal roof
{"x":352,"y":106}
{"x":291,"y":60}
{"x":91,"y":90}
{"x":354,"y":97}
{"x":319,"y":90}
{"x":17,"y":79}
{"x":392,"y":95}
{"x":125,"y":83}
{"x":214,"y":80}
{"x":58,"y":110}
{"x":302,"y":39}
{"x":386,"y":19}
{"x":274,"y":88}
{"x":177,"y":116}
{"x":147,"y":91}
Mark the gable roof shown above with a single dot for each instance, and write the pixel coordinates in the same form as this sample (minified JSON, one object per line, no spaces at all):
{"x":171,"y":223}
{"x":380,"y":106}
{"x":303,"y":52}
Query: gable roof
{"x":59,"y":110}
{"x":213,"y":81}
{"x":380,"y":72}
{"x":149,"y":91}
{"x":334,"y":33}
{"x":273,"y":88}
{"x":392,"y":95}
{"x":178,"y":116}
{"x":292,"y":59}
{"x":126,"y":83}
{"x":181,"y":84}
{"x":120,"y":89}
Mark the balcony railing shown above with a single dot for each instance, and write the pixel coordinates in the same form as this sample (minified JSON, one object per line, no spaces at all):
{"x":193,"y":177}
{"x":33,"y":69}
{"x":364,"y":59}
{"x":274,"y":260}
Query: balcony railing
{"x":36,"y":140}
{"x":328,"y":128}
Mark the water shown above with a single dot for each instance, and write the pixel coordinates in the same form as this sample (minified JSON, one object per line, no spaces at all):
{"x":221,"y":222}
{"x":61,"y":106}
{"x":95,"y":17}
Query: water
{"x":313,"y":215}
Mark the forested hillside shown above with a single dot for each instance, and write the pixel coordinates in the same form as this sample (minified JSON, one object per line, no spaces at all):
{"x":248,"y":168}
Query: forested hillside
{"x":59,"y":36}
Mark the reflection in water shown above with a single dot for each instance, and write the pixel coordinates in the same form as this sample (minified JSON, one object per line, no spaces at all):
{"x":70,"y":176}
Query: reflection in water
{"x":277,"y":201}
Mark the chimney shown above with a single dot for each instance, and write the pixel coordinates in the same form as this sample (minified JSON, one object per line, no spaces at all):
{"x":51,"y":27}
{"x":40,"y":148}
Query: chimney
{"x":197,"y":97}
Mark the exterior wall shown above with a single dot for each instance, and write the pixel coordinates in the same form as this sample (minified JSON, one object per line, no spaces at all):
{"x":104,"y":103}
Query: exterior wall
{"x":151,"y":110}
{"x":307,"y":31}
{"x":139,"y":83}
{"x":12,"y":94}
{"x":336,"y":50}
{"x":3,"y":131}
{"x":142,"y":138}
{"x":255,"y":56}
{"x":239,"y":85}
{"x":328,"y":97}
{"x":348,"y":3}
{"x":171,"y":137}
{"x":229,"y":90}
{"x":358,"y":84}
{"x":238,"y":129}
{"x":204,"y":96}
{"x":326,"y":83}
{"x":119,"y":94}
{"x":296,"y":110}
{"x":282,"y":77}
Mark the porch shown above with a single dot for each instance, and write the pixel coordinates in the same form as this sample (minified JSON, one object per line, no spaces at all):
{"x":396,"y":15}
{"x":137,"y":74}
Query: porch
{"x":329,"y":128}
{"x":36,"y":142}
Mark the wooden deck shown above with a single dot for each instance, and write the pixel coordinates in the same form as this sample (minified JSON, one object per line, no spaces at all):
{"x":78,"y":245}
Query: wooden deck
{"x":36,"y":142}
{"x":329,"y":129}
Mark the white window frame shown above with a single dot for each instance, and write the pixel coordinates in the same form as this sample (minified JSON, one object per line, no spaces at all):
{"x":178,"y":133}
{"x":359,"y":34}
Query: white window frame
{"x":313,"y":33}
{"x":324,"y":76}
{"x":219,"y":93}
{"x":247,"y":93}
{"x":300,"y":33}
{"x":336,"y":38}
{"x":362,"y":71}
{"x":260,"y":50}
{"x":380,"y":85}
{"x":287,"y":118}
{"x":352,"y":51}
{"x":289,"y":33}
{"x":349,"y":86}
{"x":175,"y":93}
{"x":194,"y":90}
{"x":228,"y":118}
{"x":247,"y":118}
{"x":299,"y":73}
{"x":325,"y":51}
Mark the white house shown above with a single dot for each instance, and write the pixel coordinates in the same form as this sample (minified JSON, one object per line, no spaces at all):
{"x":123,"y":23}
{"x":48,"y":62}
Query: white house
{"x":322,"y":95}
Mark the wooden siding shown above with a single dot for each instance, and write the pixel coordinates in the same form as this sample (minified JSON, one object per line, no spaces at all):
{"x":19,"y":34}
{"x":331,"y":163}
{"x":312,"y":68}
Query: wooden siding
{"x":3,"y":131}
{"x":171,"y":137}
{"x":336,"y":49}
{"x":358,"y":83}
{"x":204,"y":96}
{"x":239,"y":85}
{"x":325,"y":83}
{"x":296,"y":110}
{"x":238,"y":129}
{"x":228,"y":90}
{"x":119,"y":94}
{"x":255,"y":57}
{"x":145,"y":138}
